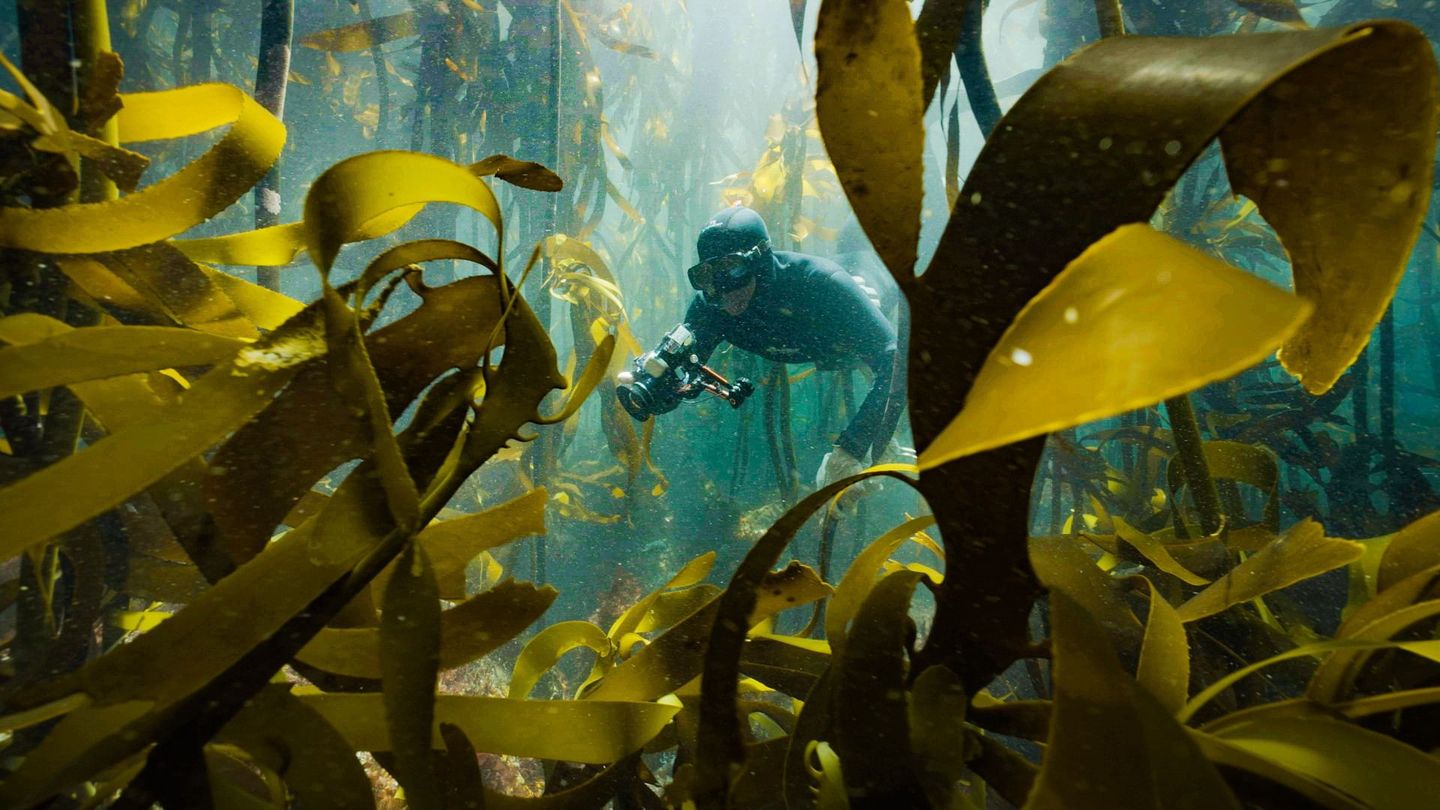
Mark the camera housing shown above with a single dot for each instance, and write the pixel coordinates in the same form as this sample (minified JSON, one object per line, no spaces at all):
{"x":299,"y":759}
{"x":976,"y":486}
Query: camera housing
{"x":659,"y":380}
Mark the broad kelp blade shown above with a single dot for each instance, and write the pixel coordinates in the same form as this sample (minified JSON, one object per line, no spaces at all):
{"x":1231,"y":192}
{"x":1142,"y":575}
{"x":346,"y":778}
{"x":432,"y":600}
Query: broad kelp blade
{"x":186,"y":654}
{"x":474,"y":628}
{"x":1119,"y":306}
{"x":591,"y":731}
{"x":1121,"y":121}
{"x":1111,"y":744}
{"x":363,"y":35}
{"x":522,"y":173}
{"x":97,"y":352}
{"x":290,"y":738}
{"x":1164,"y":669}
{"x":1302,"y":552}
{"x":80,"y":486}
{"x":310,"y":430}
{"x":451,"y":544}
{"x":1411,"y":550}
{"x":861,"y":577}
{"x":872,"y":733}
{"x":170,"y":206}
{"x":409,"y":647}
{"x":719,"y":733}
{"x":1376,"y":770}
{"x":1348,"y":225}
{"x":869,"y":106}
{"x":359,"y":189}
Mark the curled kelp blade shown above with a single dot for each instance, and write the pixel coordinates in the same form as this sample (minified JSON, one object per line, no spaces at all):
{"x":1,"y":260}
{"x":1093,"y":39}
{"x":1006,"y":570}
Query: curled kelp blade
{"x":591,"y":731}
{"x":1101,"y":138}
{"x":1123,"y":119}
{"x":869,"y":106}
{"x":354,"y":192}
{"x":1146,"y":759}
{"x":1152,"y":316}
{"x":200,"y":190}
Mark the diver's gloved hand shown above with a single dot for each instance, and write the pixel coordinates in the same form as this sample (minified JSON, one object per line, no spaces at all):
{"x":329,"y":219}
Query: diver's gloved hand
{"x":870,"y":292}
{"x":897,"y":453}
{"x":837,"y":464}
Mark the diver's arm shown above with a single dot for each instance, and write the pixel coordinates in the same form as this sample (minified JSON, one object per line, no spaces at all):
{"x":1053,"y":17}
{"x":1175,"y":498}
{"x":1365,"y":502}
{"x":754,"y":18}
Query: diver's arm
{"x":875,"y":422}
{"x":869,"y":337}
{"x":702,"y":322}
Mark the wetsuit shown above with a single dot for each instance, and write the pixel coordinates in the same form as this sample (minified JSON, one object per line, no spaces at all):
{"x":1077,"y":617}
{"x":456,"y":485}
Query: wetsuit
{"x":807,"y":309}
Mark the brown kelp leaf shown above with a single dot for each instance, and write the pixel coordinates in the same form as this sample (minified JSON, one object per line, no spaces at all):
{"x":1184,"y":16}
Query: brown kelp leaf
{"x":179,"y":288}
{"x":937,"y":728}
{"x":472,"y":629}
{"x":785,"y":663}
{"x":283,"y":734}
{"x":1111,"y":744}
{"x":1378,"y":770}
{"x":862,"y":575}
{"x":1165,"y":655}
{"x":1242,"y":463}
{"x":1062,"y":566}
{"x":106,"y":351}
{"x":1118,"y":306}
{"x":172,"y":205}
{"x":141,"y":688}
{"x":363,"y":35}
{"x":795,"y":585}
{"x":1334,"y":680}
{"x":522,"y":173}
{"x":547,"y":647}
{"x":868,"y":103}
{"x":1411,"y":550}
{"x":590,"y":731}
{"x":937,"y":30}
{"x":82,"y":485}
{"x":872,"y":732}
{"x":1156,"y":552}
{"x":1278,"y":10}
{"x":1302,"y":552}
{"x":1121,"y":120}
{"x":452,"y":544}
{"x":1348,"y":228}
{"x":310,"y":431}
{"x":265,"y":308}
{"x":409,"y":647}
{"x":358,"y":190}
{"x":719,"y":734}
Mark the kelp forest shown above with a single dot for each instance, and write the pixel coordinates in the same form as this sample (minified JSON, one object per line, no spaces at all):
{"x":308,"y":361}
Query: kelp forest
{"x":318,"y":487}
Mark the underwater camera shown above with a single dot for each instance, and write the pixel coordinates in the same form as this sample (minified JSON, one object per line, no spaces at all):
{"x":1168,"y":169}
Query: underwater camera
{"x":664,"y":376}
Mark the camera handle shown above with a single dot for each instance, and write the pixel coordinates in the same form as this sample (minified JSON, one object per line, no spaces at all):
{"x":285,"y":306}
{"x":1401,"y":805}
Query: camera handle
{"x":734,"y":393}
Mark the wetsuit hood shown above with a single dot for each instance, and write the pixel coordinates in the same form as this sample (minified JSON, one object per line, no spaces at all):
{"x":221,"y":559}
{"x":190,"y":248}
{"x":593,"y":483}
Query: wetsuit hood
{"x":733,"y":230}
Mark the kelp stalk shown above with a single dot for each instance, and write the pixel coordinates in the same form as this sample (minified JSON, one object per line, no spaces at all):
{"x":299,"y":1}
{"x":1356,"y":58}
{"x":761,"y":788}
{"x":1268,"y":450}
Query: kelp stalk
{"x":1387,"y":381}
{"x":271,"y":76}
{"x":382,"y":82}
{"x":1110,"y":17}
{"x":92,"y":44}
{"x":970,"y":58}
{"x":1192,"y":461}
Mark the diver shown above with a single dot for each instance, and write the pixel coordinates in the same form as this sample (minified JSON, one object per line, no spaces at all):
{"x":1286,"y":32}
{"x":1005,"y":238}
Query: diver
{"x":783,"y":306}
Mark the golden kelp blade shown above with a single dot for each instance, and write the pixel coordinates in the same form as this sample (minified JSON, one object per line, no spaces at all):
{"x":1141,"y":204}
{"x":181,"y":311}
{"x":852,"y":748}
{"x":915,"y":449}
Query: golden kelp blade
{"x":1349,"y":227}
{"x":190,"y":196}
{"x":97,"y":352}
{"x":363,"y":35}
{"x":1149,"y":315}
{"x":1303,"y":552}
{"x":1146,"y":760}
{"x":354,"y":192}
{"x":546,"y":648}
{"x":867,"y":100}
{"x":594,"y":731}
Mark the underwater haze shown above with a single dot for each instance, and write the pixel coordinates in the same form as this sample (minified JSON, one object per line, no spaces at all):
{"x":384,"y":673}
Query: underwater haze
{"x":827,"y":404}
